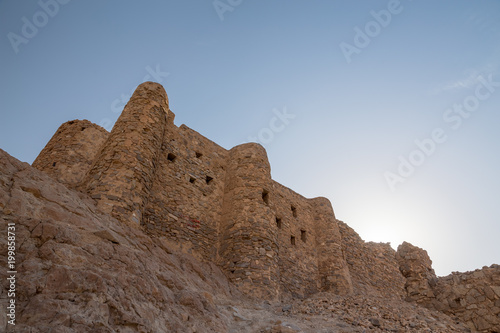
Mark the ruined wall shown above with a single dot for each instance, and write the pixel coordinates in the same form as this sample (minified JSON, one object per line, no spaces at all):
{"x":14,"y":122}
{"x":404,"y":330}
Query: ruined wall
{"x":293,"y":221}
{"x":185,"y":201}
{"x":474,"y":297}
{"x":224,"y":207}
{"x":373,"y":266}
{"x":247,"y":246}
{"x":217,"y":204}
{"x":70,"y":152}
{"x":124,"y":169}
{"x":332,"y":265}
{"x":310,"y":257}
{"x":416,"y":267}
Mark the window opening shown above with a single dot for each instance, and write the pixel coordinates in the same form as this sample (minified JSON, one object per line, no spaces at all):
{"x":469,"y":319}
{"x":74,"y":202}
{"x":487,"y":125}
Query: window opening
{"x":265,"y":196}
{"x":171,"y":157}
{"x":303,"y":235}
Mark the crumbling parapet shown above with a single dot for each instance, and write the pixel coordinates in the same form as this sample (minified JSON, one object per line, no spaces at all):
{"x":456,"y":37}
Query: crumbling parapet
{"x":123,"y":171}
{"x":416,"y":267}
{"x":248,"y":249}
{"x":474,"y":297}
{"x":332,"y":266}
{"x":70,"y":152}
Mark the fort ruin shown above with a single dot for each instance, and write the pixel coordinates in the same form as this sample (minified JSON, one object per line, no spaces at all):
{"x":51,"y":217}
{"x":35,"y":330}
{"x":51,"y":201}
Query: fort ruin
{"x":223,"y":206}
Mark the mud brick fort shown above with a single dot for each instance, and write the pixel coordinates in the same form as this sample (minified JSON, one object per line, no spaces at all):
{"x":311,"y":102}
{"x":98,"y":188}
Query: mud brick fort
{"x":223,"y":206}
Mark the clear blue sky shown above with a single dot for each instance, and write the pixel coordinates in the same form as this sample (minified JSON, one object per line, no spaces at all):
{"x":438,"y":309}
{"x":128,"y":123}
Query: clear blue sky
{"x":355,"y":94}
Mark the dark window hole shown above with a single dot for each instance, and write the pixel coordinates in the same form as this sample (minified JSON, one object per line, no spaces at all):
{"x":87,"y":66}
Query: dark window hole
{"x":199,"y":155}
{"x":208,"y":180}
{"x":303,"y":235}
{"x":294,"y":211}
{"x":171,"y":157}
{"x":292,"y":240}
{"x":265,"y":196}
{"x":278,"y":222}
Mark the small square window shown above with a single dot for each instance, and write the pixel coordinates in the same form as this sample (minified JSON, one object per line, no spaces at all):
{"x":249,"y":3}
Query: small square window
{"x":198,"y":154}
{"x":265,"y":196}
{"x":191,"y":180}
{"x":303,"y":235}
{"x":208,"y":180}
{"x":171,"y":157}
{"x":292,"y":240}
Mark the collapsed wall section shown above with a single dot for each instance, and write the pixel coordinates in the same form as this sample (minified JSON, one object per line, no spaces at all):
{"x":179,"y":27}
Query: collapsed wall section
{"x":474,"y":297}
{"x":416,"y":266}
{"x":373,"y":267}
{"x":123,"y":171}
{"x":185,"y":201}
{"x":70,"y":152}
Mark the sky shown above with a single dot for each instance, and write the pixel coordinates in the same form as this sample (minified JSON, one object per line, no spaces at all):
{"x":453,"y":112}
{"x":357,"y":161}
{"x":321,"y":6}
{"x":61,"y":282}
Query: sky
{"x":388,"y":108}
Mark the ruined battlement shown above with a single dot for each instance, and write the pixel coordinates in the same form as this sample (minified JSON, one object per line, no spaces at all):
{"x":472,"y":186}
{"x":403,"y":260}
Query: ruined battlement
{"x":223,"y":206}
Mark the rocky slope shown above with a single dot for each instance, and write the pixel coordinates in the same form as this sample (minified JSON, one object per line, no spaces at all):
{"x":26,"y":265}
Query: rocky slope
{"x":79,"y":270}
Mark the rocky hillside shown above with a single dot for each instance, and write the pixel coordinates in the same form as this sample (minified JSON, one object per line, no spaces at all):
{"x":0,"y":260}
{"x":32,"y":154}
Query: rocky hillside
{"x":79,"y":270}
